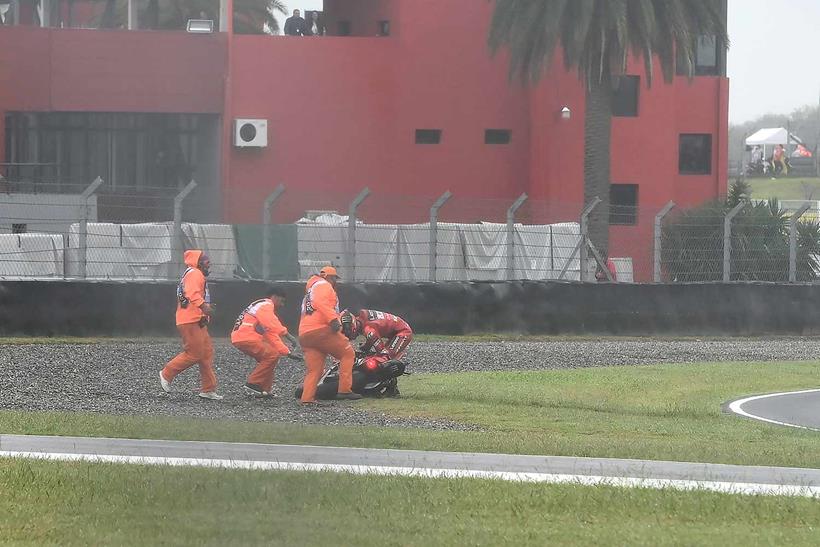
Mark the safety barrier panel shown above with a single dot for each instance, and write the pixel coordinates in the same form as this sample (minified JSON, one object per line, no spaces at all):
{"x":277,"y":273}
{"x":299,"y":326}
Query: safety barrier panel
{"x":53,"y":308}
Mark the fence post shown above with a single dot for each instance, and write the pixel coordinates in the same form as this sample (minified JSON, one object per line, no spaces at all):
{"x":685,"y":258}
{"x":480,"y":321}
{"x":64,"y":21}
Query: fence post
{"x":133,"y":22}
{"x":511,"y":235}
{"x":15,"y":12}
{"x":584,"y":256}
{"x":176,"y":241}
{"x":434,"y":232}
{"x":658,"y":223}
{"x":266,"y":229}
{"x":82,"y":245}
{"x":351,"y":233}
{"x":793,"y":240}
{"x":727,"y":240}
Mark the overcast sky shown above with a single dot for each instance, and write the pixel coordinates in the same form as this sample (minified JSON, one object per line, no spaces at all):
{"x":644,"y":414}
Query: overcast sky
{"x":773,"y":62}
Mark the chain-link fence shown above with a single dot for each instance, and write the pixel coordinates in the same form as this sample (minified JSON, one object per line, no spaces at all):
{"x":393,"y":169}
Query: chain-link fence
{"x":103,"y":233}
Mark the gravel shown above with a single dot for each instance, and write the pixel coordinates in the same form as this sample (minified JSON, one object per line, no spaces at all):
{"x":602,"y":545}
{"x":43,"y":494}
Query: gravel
{"x":121,"y":377}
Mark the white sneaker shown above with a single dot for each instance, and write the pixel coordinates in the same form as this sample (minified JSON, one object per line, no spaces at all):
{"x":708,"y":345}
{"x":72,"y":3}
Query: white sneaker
{"x":166,"y":385}
{"x":212,"y":395}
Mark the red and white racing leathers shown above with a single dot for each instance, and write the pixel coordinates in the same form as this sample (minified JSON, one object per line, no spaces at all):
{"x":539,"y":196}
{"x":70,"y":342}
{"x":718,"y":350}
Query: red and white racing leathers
{"x":384,"y":333}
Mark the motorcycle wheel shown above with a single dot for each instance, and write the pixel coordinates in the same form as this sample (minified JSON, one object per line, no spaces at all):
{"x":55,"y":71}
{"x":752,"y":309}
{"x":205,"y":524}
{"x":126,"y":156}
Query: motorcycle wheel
{"x":328,"y":389}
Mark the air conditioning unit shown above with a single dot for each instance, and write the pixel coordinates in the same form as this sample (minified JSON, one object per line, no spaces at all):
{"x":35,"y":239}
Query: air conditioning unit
{"x":250,"y":133}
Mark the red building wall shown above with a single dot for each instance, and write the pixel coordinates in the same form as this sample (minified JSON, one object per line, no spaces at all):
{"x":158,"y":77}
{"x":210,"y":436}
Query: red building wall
{"x":110,"y":71}
{"x":346,"y":111}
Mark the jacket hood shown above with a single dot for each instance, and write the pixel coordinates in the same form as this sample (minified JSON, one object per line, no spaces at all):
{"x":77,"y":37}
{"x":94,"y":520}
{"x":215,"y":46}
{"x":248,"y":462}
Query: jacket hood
{"x":192,"y":257}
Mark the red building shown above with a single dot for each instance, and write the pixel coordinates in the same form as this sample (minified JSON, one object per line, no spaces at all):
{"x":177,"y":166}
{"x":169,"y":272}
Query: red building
{"x":401,"y":96}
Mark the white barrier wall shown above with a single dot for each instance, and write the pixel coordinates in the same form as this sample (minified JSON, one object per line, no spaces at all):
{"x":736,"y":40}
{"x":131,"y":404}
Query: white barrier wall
{"x":31,"y":255}
{"x":61,"y":210}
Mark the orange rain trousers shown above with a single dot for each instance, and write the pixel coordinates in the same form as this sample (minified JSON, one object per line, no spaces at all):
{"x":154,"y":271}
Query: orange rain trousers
{"x":266,"y":359}
{"x":196,"y":348}
{"x":317,"y":345}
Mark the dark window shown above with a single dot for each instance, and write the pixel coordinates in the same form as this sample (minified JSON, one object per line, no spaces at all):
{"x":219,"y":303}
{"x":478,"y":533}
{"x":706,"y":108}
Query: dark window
{"x":497,"y":136}
{"x":428,"y":136}
{"x":344,"y":28}
{"x":623,"y":204}
{"x":19,"y":228}
{"x":695,"y":155}
{"x":625,"y":96}
{"x":384,"y":28}
{"x":707,"y":58}
{"x":128,"y":151}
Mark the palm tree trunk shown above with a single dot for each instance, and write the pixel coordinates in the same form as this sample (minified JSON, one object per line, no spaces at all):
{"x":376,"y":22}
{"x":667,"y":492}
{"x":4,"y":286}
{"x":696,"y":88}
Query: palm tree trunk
{"x":597,"y":138}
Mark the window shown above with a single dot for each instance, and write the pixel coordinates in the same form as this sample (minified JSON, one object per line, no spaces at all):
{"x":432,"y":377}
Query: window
{"x":129,"y":151}
{"x":428,"y":136}
{"x":708,"y":58}
{"x":19,"y":228}
{"x":497,"y":136}
{"x":343,"y":28}
{"x":623,"y":204}
{"x":695,"y":154}
{"x":625,"y":96}
{"x":384,"y":28}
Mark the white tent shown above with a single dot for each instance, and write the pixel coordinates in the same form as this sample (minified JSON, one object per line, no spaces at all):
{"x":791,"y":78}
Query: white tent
{"x":771,"y":136}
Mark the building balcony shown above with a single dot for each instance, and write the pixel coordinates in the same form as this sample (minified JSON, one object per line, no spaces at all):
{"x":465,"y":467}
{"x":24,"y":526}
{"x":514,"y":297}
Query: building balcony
{"x":336,"y":18}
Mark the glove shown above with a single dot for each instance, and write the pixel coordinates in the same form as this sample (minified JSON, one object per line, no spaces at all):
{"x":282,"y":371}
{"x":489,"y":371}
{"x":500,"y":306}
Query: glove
{"x":203,"y":321}
{"x":335,"y":325}
{"x":393,"y":368}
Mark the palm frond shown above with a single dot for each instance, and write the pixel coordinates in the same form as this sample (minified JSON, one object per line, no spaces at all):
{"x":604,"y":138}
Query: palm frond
{"x":598,"y":36}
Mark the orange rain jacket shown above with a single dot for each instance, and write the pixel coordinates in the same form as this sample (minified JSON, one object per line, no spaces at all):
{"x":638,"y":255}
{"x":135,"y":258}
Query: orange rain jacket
{"x":320,"y":305}
{"x":192,"y":290}
{"x":260,"y":316}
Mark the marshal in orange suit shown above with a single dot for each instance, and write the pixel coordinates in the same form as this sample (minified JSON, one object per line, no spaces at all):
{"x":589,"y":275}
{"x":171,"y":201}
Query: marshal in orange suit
{"x":258,"y":333}
{"x":320,"y":335}
{"x":192,"y":317}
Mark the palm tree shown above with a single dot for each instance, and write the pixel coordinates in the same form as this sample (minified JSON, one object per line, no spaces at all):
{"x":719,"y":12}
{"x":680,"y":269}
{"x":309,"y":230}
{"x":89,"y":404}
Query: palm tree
{"x":257,"y":16}
{"x":596,"y":38}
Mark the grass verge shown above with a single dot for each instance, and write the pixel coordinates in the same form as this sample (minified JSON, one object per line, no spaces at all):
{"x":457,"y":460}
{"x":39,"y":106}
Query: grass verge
{"x":103,"y":504}
{"x":796,"y":188}
{"x":664,"y":412}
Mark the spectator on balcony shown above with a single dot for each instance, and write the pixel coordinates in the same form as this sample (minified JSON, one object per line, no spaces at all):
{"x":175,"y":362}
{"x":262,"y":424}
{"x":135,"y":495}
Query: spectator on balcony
{"x":315,"y":27}
{"x":295,"y":25}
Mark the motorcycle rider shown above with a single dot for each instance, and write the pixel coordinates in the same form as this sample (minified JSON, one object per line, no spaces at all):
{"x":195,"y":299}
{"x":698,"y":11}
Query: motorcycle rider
{"x":385,"y":334}
{"x":387,"y":338}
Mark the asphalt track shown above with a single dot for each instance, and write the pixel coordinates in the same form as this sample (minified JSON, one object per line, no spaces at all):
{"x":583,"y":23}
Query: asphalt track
{"x":800,"y":409}
{"x":734,"y":479}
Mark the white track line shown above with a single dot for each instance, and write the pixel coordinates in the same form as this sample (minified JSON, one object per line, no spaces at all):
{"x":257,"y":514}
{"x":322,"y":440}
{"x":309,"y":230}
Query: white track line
{"x":583,"y":480}
{"x":737,"y":408}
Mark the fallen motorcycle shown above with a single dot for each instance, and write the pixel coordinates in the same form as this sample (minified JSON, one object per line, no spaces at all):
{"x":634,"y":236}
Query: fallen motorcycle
{"x":373,"y":376}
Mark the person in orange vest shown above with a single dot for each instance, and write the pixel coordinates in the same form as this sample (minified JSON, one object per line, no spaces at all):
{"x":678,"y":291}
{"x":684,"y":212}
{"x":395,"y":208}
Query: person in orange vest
{"x":193,"y":314}
{"x":258,"y":333}
{"x":320,"y":335}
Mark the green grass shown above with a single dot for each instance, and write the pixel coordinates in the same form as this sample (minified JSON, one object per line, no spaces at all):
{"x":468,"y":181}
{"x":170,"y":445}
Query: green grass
{"x":796,"y":188}
{"x":666,"y":412}
{"x":103,"y":504}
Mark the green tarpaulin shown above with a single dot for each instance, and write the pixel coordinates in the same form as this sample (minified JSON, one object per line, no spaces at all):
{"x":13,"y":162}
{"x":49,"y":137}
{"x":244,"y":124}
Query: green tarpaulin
{"x":284,"y":261}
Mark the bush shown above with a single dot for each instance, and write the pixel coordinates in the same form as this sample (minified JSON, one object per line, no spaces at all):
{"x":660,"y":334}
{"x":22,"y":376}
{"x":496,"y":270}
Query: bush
{"x":692,"y":248}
